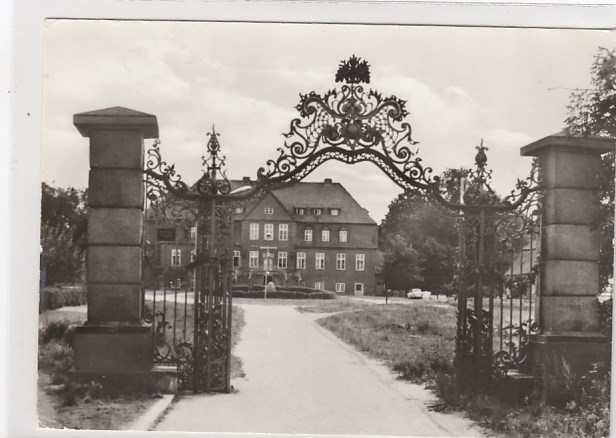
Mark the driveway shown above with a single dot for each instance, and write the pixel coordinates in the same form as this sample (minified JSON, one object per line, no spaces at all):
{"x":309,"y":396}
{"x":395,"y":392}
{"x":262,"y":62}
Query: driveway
{"x":301,"y":379}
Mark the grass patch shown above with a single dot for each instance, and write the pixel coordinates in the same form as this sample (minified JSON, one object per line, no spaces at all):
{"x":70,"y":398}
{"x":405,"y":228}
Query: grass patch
{"x":342,"y":304}
{"x":238,"y":323}
{"x":62,"y":402}
{"x":417,"y":342}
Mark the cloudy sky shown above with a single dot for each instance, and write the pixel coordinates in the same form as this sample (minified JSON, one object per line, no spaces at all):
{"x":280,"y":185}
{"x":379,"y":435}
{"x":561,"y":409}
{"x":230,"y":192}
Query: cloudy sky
{"x":507,"y":86}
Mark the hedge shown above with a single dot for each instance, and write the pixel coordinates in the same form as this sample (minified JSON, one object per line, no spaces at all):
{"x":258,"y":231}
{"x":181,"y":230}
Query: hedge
{"x":61,"y":296}
{"x":259,"y":288}
{"x":285,"y":294}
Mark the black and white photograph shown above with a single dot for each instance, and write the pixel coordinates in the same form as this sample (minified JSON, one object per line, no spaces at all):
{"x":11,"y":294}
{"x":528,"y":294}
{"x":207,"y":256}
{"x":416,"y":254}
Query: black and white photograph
{"x":329,"y":229}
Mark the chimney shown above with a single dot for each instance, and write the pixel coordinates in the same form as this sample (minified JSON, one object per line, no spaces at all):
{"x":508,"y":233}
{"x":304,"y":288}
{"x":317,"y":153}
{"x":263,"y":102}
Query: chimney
{"x":246,"y":180}
{"x":328,"y":181}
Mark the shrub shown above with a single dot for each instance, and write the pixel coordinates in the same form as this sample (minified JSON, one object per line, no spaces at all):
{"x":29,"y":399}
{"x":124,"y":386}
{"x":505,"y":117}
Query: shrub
{"x":61,"y":296}
{"x":260,"y":288}
{"x":285,"y":294}
{"x":62,"y":331}
{"x":247,"y":287}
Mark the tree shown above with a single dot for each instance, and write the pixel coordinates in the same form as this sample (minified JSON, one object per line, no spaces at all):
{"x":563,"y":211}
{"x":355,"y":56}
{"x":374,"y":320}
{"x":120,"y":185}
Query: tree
{"x":593,"y":112}
{"x":63,"y":233}
{"x":419,"y":240}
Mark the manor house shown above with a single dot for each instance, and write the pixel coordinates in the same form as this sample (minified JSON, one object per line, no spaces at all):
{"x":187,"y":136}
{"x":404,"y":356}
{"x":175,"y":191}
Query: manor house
{"x":307,"y":234}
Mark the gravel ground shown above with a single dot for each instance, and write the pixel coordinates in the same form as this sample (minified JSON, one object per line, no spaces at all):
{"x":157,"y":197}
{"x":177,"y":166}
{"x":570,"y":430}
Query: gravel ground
{"x":301,"y":379}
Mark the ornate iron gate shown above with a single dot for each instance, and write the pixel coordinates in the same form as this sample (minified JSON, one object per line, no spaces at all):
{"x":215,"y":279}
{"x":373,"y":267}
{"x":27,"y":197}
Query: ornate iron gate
{"x":497,"y":272}
{"x":197,"y":338}
{"x":350,"y":125}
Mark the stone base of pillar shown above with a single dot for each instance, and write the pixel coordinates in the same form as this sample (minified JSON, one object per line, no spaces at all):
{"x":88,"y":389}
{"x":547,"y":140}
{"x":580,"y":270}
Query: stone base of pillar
{"x":580,"y":350}
{"x":115,"y":354}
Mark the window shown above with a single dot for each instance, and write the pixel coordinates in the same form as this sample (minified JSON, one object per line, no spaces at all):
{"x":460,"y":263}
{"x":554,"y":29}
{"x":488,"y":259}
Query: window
{"x":269,"y":210}
{"x":254,"y":231}
{"x":268,"y":231}
{"x":193,"y":233}
{"x":308,"y":235}
{"x":359,"y":289}
{"x":178,"y":283}
{"x":340,"y":287}
{"x":301,"y":260}
{"x":282,"y":260}
{"x":317,"y":211}
{"x":193,"y":255}
{"x":239,"y":210}
{"x":165,"y":235}
{"x":325,"y":236}
{"x":283,"y":231}
{"x":319,"y":285}
{"x":237,"y":259}
{"x":342,"y":236}
{"x":319,"y":260}
{"x":253,"y":260}
{"x":340,"y":262}
{"x":299,"y":210}
{"x":360,"y":262}
{"x":176,"y":257}
{"x":335,"y":211}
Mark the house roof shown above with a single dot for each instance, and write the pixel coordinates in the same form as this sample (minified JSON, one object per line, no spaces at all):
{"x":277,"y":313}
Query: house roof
{"x":308,"y":195}
{"x":323,"y":195}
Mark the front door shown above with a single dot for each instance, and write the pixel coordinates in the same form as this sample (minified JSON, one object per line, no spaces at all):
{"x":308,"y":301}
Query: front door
{"x":359,"y":289}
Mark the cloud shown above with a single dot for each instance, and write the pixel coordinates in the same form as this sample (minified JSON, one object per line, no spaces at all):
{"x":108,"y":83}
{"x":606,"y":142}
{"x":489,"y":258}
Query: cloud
{"x":461,"y":85}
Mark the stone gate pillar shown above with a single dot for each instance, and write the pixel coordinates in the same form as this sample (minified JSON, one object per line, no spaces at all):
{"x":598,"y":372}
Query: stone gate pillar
{"x":113,"y":343}
{"x":567,"y":309}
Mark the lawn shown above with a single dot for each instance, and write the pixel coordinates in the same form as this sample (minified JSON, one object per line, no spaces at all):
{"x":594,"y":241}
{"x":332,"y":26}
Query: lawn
{"x":65,"y":404}
{"x":341,"y":304}
{"x":417,"y":341}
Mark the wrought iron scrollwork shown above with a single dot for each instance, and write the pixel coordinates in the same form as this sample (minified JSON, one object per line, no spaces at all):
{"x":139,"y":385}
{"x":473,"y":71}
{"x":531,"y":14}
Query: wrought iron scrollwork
{"x":515,"y":356}
{"x":350,"y":125}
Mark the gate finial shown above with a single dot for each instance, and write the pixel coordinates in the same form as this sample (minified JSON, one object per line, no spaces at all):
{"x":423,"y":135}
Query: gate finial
{"x":214,"y":180}
{"x":481,"y":159}
{"x":353,"y":71}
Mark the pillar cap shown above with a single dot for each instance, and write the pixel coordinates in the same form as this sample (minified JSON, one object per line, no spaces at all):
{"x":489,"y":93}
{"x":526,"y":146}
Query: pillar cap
{"x":590,"y":144}
{"x":116,"y":117}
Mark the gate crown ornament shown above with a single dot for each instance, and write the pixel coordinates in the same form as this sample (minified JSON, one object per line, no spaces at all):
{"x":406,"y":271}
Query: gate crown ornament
{"x":353,"y":71}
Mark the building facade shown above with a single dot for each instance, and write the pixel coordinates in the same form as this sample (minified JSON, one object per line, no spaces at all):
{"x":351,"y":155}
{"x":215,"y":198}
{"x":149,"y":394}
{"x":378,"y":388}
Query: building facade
{"x":309,"y":234}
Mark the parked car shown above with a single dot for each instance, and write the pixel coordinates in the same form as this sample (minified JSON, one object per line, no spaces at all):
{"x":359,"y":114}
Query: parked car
{"x":415,"y":293}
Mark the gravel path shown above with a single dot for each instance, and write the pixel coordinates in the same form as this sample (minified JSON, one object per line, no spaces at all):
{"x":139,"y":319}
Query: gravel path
{"x":301,"y":379}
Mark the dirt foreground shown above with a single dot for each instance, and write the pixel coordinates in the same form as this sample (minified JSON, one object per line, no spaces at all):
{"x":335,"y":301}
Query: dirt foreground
{"x":301,"y":379}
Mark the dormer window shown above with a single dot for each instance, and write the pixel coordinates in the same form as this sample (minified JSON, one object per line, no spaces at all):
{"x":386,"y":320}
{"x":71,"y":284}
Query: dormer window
{"x":335,"y":211}
{"x":317,"y":211}
{"x":299,"y":211}
{"x":239,"y":210}
{"x":269,"y":210}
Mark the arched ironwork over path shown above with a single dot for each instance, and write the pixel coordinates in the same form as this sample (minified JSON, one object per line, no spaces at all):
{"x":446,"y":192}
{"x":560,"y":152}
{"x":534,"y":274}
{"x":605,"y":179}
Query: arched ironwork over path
{"x":350,"y":124}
